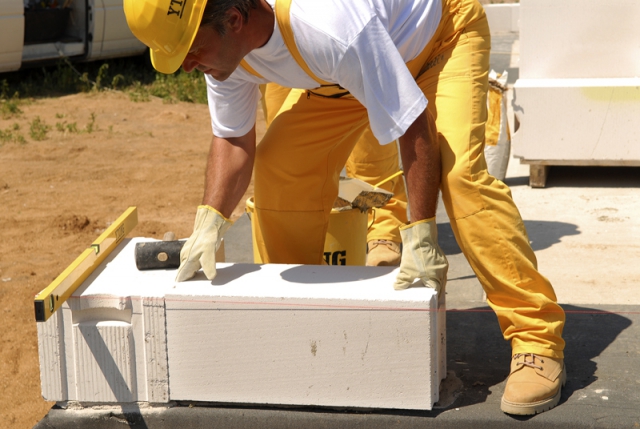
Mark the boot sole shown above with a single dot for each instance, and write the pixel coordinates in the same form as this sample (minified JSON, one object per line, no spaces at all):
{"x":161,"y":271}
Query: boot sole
{"x":532,"y":408}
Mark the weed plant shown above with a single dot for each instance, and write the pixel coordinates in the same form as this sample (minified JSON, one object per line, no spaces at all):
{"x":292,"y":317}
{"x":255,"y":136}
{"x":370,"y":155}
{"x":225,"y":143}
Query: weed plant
{"x":9,"y":108}
{"x":91,"y":126}
{"x":65,"y":127}
{"x":134,"y":76}
{"x":72,"y":127}
{"x":38,"y":129}
{"x":12,"y":134}
{"x":9,"y":104}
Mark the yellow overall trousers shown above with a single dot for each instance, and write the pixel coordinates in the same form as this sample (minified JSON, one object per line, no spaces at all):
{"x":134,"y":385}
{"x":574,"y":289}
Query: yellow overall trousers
{"x":370,"y":162}
{"x":299,"y":161}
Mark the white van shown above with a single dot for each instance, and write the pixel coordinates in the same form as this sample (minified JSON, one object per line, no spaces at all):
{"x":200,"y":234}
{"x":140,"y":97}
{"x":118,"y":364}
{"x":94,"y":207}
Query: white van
{"x":35,"y":31}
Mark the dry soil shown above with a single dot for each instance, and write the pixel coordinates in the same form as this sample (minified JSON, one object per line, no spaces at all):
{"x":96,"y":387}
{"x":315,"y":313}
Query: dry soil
{"x":58,"y":194}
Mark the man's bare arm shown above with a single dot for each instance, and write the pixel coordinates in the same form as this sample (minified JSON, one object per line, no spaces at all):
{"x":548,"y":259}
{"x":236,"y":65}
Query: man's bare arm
{"x":422,"y":258}
{"x":228,"y":173}
{"x":420,"y":152}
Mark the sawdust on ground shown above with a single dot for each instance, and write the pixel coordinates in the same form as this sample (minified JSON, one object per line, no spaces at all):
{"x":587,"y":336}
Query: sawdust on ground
{"x":58,"y":194}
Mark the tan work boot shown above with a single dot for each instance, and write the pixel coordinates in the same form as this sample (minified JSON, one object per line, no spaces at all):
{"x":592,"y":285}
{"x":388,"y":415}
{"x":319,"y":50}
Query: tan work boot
{"x":534,"y":385}
{"x":383,"y":253}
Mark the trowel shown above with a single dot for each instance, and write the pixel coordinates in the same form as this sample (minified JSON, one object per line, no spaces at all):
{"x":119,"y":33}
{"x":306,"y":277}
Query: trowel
{"x":359,"y":194}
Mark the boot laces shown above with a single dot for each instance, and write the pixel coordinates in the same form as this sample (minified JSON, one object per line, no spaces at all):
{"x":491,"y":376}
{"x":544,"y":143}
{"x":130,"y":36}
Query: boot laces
{"x":530,"y":363}
{"x":388,"y":243}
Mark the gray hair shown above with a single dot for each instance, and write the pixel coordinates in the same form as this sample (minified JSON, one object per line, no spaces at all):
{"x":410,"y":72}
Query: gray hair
{"x":215,"y":12}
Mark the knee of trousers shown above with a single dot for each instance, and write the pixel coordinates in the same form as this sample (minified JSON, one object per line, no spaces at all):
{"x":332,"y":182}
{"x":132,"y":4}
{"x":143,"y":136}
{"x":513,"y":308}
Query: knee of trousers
{"x":461,"y":190}
{"x":282,"y":187}
{"x":466,"y":194}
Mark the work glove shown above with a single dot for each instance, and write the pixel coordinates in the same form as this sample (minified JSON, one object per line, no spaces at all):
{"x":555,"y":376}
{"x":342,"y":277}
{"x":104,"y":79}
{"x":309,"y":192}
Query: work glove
{"x":200,"y":249}
{"x":422,"y":258}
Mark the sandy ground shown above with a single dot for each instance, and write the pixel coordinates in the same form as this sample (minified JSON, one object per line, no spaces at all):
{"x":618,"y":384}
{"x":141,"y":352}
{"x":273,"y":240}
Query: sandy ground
{"x":57,"y":195}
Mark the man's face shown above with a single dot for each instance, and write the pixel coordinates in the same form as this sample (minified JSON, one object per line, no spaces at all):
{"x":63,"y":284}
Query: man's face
{"x":213,"y":54}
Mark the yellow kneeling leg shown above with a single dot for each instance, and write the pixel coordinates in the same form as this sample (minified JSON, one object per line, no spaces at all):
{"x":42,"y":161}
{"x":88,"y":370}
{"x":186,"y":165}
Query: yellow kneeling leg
{"x":298,"y":164}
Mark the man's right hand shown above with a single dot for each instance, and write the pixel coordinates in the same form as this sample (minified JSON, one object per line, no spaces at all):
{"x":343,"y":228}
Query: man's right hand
{"x":200,"y":249}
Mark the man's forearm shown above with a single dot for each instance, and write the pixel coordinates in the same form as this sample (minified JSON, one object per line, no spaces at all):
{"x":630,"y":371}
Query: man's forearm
{"x":228,"y":173}
{"x":420,"y":152}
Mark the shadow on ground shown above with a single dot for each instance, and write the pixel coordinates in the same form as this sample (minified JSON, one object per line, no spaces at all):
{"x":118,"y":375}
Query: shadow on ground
{"x":542,"y":235}
{"x":480,"y":357}
{"x":563,"y":176}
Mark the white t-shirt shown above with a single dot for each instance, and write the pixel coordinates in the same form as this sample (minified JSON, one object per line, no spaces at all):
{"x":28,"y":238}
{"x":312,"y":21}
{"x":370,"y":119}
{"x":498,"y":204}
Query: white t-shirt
{"x":361,"y":45}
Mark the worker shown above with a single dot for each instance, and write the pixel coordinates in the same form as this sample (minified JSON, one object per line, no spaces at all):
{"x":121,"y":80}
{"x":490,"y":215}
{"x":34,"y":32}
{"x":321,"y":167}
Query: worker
{"x":372,"y":163}
{"x":412,"y":70}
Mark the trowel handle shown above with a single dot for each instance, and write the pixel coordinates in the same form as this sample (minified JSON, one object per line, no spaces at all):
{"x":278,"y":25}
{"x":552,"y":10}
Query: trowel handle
{"x":393,"y":176}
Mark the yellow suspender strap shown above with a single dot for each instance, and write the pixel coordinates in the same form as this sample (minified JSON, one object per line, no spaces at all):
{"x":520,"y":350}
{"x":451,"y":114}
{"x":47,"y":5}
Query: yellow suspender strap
{"x":250,"y":69}
{"x":284,"y":22}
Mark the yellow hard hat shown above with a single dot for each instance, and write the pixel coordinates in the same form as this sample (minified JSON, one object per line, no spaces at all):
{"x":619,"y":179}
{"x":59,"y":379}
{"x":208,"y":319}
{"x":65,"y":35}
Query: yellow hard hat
{"x":167,"y":27}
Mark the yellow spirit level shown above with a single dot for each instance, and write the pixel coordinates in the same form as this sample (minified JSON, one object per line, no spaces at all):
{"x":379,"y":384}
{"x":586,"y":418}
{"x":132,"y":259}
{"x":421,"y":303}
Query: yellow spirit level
{"x":53,"y":296}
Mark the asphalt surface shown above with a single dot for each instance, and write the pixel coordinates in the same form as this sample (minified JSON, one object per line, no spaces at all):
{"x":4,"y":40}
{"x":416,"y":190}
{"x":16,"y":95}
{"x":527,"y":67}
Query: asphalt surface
{"x":602,"y":390}
{"x":584,"y":227}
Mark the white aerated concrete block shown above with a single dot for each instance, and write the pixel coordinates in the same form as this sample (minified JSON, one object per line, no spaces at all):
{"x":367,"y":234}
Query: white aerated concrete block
{"x":590,"y":120}
{"x":304,"y":335}
{"x":107,"y":344}
{"x":503,"y":18}
{"x":258,"y":334}
{"x":579,"y":39}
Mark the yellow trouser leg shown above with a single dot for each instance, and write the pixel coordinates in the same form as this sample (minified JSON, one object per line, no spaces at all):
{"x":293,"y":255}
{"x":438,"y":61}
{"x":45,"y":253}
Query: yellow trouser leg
{"x":370,"y":162}
{"x":273,"y":97}
{"x":484,"y":218}
{"x":298,"y":164}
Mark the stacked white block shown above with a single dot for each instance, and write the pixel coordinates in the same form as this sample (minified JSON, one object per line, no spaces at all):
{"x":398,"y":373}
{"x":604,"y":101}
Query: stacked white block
{"x":503,"y":18}
{"x":578,"y":39}
{"x":579,"y":83}
{"x":258,"y":334}
{"x":578,"y":120}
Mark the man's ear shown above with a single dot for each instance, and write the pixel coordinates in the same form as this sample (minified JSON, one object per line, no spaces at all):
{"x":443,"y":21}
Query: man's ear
{"x":235,"y":20}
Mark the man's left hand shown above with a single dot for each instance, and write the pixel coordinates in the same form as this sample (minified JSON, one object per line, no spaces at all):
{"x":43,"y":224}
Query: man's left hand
{"x":422,"y":258}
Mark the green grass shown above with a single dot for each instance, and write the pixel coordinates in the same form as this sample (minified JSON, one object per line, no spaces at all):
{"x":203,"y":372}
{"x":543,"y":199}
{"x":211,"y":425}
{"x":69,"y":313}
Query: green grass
{"x":72,"y":127}
{"x":134,"y":76}
{"x":9,"y":108}
{"x":12,"y":134}
{"x":9,"y":102}
{"x":91,"y":126}
{"x":65,"y":127}
{"x":38,"y":129}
